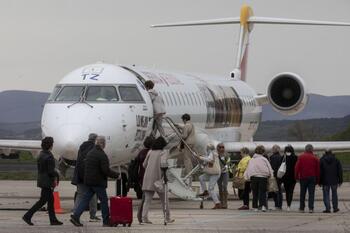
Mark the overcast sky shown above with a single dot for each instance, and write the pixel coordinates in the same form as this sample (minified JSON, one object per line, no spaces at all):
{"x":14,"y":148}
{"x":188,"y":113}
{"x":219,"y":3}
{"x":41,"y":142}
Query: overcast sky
{"x":42,"y":40}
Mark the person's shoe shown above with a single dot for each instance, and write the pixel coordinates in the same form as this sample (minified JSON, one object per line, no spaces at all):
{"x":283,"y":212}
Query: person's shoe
{"x":28,"y":221}
{"x":326,"y":211}
{"x":216,"y":206}
{"x":107,"y":225}
{"x":223,"y":207}
{"x":301,"y":211}
{"x":146,"y":221}
{"x":244,"y":207}
{"x":263,"y":209}
{"x":335,"y":210}
{"x":288,"y":209}
{"x":255,"y":209}
{"x":170,"y":221}
{"x":94,"y":219}
{"x":75,"y":221}
{"x":56,"y":223}
{"x":204,"y":194}
{"x":311,"y":211}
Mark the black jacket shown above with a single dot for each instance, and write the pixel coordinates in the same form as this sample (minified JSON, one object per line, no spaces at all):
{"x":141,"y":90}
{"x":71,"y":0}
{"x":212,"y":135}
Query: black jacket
{"x":331,"y":172}
{"x":78,"y":176}
{"x":97,"y":168}
{"x":275,"y":161}
{"x":289,"y":176}
{"x":47,"y":173}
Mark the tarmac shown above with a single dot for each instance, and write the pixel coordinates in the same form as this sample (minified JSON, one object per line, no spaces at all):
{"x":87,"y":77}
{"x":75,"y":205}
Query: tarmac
{"x":17,"y":196}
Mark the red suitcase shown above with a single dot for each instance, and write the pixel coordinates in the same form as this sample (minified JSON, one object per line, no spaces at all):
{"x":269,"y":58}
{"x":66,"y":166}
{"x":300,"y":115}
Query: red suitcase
{"x":120,"y":211}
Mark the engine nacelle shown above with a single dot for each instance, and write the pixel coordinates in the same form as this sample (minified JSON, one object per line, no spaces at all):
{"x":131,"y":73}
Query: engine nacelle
{"x":287,"y":93}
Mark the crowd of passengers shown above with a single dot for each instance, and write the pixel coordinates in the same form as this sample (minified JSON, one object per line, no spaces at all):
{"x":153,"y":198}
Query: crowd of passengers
{"x":260,"y":174}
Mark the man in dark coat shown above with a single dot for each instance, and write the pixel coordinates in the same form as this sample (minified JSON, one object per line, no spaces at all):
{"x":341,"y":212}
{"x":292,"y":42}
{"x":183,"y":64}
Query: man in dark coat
{"x":331,"y":175}
{"x":276,"y":161}
{"x":47,"y":181}
{"x":78,"y":177}
{"x":95,"y":178}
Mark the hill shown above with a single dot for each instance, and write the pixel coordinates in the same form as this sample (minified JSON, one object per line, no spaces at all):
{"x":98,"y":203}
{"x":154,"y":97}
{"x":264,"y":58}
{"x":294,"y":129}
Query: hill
{"x":318,"y":107}
{"x":21,"y":106}
{"x":301,"y":130}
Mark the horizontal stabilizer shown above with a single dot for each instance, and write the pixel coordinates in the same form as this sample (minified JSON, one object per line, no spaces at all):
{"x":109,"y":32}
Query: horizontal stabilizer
{"x":254,"y":20}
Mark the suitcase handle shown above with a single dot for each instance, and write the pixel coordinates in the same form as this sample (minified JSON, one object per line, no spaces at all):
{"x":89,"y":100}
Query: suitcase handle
{"x":121,"y":181}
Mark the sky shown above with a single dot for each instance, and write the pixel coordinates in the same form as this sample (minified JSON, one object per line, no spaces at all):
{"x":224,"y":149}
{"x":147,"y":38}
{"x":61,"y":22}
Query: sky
{"x":41,"y":40}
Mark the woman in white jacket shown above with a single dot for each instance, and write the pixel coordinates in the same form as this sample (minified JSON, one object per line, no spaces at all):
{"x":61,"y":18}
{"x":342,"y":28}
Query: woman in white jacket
{"x":211,"y":173}
{"x":258,"y":171}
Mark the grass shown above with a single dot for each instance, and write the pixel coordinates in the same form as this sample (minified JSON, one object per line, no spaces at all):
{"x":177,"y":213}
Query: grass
{"x":18,"y":175}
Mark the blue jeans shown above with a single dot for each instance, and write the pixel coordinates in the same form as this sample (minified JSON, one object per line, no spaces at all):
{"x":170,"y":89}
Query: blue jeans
{"x":101,"y":195}
{"x":326,"y":198}
{"x":308,"y":184}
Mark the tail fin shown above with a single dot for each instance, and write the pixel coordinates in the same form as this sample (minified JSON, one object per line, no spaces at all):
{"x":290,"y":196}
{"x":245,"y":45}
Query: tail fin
{"x":246,"y":21}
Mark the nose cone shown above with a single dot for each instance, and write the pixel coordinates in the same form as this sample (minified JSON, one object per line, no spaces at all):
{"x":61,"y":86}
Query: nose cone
{"x":68,"y":140}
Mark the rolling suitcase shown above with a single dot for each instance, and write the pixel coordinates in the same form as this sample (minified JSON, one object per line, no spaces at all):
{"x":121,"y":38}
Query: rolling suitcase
{"x":120,"y":211}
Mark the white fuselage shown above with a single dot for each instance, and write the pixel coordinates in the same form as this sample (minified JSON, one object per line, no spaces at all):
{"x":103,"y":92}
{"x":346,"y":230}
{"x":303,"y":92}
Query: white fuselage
{"x":111,"y":100}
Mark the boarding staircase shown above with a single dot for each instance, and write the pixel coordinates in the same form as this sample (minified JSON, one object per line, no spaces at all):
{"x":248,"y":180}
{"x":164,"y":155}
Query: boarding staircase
{"x":178,"y":184}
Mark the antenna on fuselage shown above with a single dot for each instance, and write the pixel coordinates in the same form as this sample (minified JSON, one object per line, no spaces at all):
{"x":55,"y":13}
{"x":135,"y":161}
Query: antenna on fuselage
{"x":246,"y":21}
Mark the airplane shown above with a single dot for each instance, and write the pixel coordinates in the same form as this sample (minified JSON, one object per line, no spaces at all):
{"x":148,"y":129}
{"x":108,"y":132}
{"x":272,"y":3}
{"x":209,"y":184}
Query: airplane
{"x":111,"y":100}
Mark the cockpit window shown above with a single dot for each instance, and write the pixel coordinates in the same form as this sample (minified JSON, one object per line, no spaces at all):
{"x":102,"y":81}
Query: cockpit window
{"x":54,"y":93}
{"x":102,"y":93}
{"x":70,"y":93}
{"x":130,"y":94}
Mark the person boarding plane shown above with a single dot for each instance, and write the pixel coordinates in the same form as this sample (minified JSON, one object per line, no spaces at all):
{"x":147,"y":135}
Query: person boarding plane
{"x":111,"y":100}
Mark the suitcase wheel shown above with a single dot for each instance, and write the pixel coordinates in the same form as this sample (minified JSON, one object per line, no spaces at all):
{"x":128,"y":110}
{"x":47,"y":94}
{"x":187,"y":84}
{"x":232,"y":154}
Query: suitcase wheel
{"x":129,"y":225}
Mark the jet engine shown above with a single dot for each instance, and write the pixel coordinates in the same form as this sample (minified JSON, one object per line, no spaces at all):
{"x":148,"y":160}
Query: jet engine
{"x":287,"y":93}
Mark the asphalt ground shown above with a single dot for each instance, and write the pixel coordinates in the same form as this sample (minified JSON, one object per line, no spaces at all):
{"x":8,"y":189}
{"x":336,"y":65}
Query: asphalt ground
{"x":17,"y":196}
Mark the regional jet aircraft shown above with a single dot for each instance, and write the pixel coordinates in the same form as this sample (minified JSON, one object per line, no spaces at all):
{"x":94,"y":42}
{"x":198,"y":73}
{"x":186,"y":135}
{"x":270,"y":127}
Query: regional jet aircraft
{"x":111,"y":100}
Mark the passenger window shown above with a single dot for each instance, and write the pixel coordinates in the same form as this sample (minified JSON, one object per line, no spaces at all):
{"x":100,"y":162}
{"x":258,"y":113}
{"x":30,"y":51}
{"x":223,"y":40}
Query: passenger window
{"x":171,"y":101}
{"x":183,"y":99}
{"x":102,"y":93}
{"x":130,"y":94}
{"x":70,"y":93}
{"x":194,"y":97}
{"x":173,"y":95}
{"x":188,"y":101}
{"x":178,"y":98}
{"x":54,"y":93}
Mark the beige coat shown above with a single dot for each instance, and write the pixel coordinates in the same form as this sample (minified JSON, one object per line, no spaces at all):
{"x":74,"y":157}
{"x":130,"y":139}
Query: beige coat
{"x":152,"y":166}
{"x":189,"y":133}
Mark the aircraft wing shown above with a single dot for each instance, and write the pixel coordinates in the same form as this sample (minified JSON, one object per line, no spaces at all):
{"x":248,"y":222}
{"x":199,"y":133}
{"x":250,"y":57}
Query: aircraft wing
{"x":6,"y":146}
{"x":336,"y":146}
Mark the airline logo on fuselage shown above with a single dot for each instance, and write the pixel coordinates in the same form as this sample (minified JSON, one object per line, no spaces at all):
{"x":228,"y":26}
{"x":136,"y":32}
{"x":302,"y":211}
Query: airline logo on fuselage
{"x":92,"y":73}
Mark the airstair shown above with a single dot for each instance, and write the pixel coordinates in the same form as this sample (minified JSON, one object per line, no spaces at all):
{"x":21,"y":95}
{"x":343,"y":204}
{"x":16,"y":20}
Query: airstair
{"x":178,"y":184}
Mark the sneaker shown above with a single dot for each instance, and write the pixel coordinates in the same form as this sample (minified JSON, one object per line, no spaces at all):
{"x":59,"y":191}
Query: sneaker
{"x":107,"y":225}
{"x":94,"y":219}
{"x":204,"y":194}
{"x":311,"y":211}
{"x":335,"y":210}
{"x":326,"y":211}
{"x":75,"y":221}
{"x":146,"y":221}
{"x":28,"y":221}
{"x":170,"y":221}
{"x":288,"y":209}
{"x":56,"y":223}
{"x":255,"y":209}
{"x":263,"y":209}
{"x":244,"y":207}
{"x":216,"y":206}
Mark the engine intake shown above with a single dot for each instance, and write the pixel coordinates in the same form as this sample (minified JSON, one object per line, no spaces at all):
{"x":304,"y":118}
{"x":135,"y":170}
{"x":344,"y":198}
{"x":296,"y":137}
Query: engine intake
{"x":287,"y":93}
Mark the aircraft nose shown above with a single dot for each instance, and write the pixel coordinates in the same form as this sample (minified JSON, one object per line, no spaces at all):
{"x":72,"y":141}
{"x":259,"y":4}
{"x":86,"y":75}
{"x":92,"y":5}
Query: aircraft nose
{"x":68,"y":140}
